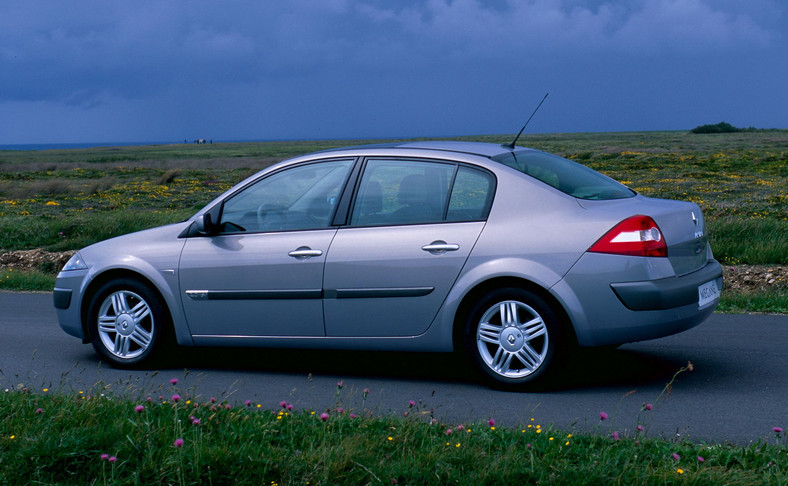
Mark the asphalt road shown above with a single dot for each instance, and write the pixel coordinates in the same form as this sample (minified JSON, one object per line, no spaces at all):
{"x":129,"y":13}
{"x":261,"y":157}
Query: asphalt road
{"x":737,"y":392}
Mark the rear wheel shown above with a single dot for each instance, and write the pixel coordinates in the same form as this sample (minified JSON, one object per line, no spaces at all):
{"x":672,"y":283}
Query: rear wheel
{"x":512,"y":337}
{"x":128,"y":323}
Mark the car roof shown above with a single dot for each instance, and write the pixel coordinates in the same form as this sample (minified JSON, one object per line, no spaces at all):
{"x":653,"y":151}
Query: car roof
{"x":487,"y":150}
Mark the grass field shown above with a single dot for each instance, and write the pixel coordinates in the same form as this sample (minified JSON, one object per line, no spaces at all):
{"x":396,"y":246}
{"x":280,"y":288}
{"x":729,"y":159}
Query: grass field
{"x":65,"y":199}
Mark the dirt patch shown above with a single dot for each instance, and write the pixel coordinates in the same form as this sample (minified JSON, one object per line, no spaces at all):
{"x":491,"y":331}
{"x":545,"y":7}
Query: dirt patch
{"x":35,"y":260}
{"x":741,"y":278}
{"x":747,"y":278}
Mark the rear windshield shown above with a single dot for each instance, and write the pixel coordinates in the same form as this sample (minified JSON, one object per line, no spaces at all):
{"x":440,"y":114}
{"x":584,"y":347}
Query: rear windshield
{"x":568,"y":177}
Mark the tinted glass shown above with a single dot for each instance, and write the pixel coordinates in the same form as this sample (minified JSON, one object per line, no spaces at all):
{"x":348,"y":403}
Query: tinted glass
{"x":402,"y":192}
{"x":394,"y":192}
{"x":471,"y":195}
{"x":565,"y":175}
{"x":302,"y":197}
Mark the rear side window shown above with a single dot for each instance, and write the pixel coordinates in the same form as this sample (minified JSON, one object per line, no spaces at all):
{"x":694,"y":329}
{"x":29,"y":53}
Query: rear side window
{"x":396,"y":192}
{"x":565,"y":175}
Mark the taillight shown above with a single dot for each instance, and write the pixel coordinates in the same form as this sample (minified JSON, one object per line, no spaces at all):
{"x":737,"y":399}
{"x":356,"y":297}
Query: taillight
{"x":635,"y":236}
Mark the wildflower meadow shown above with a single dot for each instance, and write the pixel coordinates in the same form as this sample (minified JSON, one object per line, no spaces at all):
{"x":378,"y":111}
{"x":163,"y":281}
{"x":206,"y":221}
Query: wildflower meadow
{"x":95,"y":437}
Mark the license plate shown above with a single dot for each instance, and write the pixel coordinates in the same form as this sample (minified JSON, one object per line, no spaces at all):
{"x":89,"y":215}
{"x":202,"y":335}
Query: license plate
{"x":708,"y":293}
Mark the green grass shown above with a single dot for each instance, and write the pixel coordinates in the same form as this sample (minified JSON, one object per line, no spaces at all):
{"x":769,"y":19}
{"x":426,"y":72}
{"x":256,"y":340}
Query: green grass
{"x":768,"y":302}
{"x":11,"y":279}
{"x":750,"y":240}
{"x":49,"y":437}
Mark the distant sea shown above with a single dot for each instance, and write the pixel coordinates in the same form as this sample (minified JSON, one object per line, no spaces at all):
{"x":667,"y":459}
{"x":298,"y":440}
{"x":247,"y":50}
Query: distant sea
{"x":61,"y":146}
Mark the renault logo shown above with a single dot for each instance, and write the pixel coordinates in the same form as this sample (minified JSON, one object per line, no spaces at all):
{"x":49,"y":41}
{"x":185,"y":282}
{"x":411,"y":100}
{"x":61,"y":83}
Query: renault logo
{"x":511,"y":339}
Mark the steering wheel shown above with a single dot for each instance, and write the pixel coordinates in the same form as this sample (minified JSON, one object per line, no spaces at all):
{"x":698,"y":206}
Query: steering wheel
{"x":270,"y":217}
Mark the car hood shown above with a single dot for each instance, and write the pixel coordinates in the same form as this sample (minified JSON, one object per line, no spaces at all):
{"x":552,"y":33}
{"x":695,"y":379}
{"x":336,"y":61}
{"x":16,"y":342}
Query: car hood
{"x":159,"y":246}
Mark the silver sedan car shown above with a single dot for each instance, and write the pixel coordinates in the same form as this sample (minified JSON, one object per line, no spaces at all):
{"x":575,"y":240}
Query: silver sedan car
{"x":511,"y":256}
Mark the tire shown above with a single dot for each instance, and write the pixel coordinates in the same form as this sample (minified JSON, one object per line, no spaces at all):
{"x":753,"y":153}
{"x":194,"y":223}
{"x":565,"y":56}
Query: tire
{"x":514,"y":339}
{"x":128,"y":324}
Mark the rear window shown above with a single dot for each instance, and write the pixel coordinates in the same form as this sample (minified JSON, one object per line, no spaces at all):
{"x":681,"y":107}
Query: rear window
{"x":568,"y":177}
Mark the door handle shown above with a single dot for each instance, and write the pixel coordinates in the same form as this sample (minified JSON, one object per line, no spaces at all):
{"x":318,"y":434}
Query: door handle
{"x":440,"y":247}
{"x":305,"y":252}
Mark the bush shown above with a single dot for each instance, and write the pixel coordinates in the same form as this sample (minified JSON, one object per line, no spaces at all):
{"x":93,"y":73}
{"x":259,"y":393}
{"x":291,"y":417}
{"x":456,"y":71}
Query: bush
{"x":721,"y":127}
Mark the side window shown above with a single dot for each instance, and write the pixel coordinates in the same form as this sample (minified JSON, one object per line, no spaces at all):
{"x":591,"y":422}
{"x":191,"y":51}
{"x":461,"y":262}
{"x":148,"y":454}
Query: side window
{"x":394,"y":192}
{"x":402,"y":192}
{"x":301,"y":197}
{"x":471,"y":195}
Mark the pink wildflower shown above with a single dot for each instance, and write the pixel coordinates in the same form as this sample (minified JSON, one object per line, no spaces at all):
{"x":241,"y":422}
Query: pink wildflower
{"x":411,"y":403}
{"x":615,"y":435}
{"x":353,"y":416}
{"x":195,"y":421}
{"x":701,"y":459}
{"x":176,"y":398}
{"x":283,"y":404}
{"x":248,"y":403}
{"x":641,"y":428}
{"x":324,"y":416}
{"x":213,"y":400}
{"x":174,"y":381}
{"x":449,"y":432}
{"x":139,"y":408}
{"x":289,"y":406}
{"x":603,"y":416}
{"x":491,"y":422}
{"x":676,"y":456}
{"x":777,"y":430}
{"x":149,"y":399}
{"x":104,"y":457}
{"x":112,"y":459}
{"x":39,"y":410}
{"x":178,"y":443}
{"x":649,"y":406}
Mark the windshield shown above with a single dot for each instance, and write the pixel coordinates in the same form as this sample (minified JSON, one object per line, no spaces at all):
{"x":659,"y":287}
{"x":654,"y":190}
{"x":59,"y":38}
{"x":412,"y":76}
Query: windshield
{"x":568,"y":177}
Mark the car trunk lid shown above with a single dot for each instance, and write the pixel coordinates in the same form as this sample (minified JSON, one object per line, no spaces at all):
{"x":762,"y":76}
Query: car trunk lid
{"x":681,"y":223}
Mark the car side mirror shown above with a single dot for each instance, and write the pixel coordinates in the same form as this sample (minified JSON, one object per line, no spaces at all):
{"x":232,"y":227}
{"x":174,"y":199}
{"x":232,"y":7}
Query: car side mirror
{"x":203,"y":224}
{"x":206,"y":223}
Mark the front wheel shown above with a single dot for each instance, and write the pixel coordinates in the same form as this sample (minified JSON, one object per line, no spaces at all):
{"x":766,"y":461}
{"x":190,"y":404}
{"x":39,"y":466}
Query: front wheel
{"x":127,"y":323}
{"x":512,"y":337}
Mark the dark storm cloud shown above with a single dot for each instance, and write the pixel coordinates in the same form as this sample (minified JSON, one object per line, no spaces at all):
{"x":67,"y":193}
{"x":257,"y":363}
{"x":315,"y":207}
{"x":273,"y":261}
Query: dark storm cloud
{"x":458,"y":60}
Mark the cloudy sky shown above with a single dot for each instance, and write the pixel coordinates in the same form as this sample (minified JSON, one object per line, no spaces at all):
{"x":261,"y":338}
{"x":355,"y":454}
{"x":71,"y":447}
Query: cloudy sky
{"x":169,"y":70}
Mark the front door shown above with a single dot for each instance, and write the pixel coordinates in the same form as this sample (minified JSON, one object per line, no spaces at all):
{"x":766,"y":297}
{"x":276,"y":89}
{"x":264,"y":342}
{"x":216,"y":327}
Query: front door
{"x":262,"y":275}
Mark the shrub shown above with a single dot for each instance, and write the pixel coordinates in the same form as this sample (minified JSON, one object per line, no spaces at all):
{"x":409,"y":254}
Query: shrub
{"x":721,"y":127}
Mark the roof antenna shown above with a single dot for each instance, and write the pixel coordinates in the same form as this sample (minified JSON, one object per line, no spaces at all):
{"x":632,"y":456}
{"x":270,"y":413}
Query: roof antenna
{"x":511,"y":145}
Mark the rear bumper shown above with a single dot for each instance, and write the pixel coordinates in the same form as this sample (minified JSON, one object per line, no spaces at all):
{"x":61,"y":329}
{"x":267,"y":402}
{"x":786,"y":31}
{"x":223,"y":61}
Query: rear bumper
{"x":654,"y":304}
{"x":668,"y":293}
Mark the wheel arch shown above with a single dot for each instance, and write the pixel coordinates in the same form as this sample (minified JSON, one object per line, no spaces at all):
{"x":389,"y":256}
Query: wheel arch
{"x":115,"y":274}
{"x":482,"y":288}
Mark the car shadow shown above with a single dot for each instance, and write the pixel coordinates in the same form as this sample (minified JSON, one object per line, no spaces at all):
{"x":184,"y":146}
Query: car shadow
{"x":587,"y":368}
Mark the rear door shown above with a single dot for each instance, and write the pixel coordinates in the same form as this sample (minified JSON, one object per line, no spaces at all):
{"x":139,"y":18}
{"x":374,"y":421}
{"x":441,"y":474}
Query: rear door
{"x":412,"y":226}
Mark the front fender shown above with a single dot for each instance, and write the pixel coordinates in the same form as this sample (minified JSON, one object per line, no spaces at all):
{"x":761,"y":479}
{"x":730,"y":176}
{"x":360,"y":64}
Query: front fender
{"x":163,"y":278}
